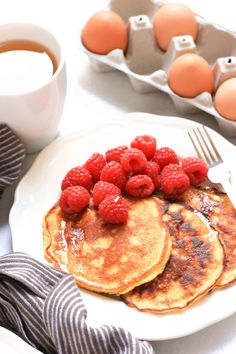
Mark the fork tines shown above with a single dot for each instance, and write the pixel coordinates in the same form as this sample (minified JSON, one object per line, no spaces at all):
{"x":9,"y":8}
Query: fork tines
{"x":204,"y":146}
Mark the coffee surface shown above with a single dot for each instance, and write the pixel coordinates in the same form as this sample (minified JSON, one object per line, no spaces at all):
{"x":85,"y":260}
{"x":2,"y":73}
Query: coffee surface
{"x":24,"y":66}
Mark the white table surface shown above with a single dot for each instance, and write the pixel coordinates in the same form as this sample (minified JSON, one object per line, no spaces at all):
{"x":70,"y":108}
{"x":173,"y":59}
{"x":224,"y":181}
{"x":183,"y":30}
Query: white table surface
{"x":92,"y":96}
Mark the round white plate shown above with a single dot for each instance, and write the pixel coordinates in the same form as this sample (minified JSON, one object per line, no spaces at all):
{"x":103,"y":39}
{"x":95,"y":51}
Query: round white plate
{"x":40,"y":188}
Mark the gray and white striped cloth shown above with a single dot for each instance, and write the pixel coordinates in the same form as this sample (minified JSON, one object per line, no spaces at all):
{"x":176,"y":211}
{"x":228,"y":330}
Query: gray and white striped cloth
{"x":12,"y":154}
{"x":44,"y":307}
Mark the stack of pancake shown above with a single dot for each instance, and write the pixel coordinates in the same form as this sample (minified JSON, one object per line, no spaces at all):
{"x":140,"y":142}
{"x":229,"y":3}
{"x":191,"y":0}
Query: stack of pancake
{"x":165,"y":257}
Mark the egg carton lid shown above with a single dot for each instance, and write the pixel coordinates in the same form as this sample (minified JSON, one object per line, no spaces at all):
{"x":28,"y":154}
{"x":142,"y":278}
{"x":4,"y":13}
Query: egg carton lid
{"x":146,"y":65}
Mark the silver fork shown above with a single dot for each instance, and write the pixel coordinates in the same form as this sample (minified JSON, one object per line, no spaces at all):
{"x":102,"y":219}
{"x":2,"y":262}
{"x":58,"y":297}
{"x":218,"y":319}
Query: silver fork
{"x":218,"y":170}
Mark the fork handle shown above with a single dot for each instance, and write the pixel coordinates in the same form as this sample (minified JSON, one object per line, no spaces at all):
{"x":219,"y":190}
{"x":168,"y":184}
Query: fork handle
{"x":228,"y":188}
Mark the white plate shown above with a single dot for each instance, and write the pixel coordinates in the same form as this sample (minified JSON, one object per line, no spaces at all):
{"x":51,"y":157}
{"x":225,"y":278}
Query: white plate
{"x":40,"y":188}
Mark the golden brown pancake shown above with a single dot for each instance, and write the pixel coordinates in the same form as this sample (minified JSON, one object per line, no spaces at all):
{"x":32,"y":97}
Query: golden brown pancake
{"x":195,"y":264}
{"x":109,"y":258}
{"x":221,"y":214}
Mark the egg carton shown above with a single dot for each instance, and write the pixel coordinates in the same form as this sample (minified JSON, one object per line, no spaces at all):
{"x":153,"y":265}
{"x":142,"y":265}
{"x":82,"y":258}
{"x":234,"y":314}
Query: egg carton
{"x":146,"y":65}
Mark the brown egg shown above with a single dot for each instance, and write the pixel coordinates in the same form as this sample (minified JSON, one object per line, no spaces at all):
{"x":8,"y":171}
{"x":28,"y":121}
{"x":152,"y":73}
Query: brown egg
{"x":190,"y":75}
{"x":225,"y":99}
{"x":173,"y":20}
{"x":104,"y":32}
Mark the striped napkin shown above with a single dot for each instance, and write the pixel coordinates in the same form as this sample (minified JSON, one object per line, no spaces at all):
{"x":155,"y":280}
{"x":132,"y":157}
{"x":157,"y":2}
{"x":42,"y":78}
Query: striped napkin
{"x":12,"y":154}
{"x":44,"y":307}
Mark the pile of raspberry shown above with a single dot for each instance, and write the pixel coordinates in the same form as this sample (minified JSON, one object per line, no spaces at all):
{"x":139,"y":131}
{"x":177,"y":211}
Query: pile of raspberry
{"x":137,"y":170}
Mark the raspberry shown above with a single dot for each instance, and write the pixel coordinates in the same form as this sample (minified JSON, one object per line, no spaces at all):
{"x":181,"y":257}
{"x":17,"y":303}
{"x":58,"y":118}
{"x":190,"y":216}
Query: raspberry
{"x":102,"y":189}
{"x":94,"y":165}
{"x":133,"y":160}
{"x":113,"y":209}
{"x":74,"y":199}
{"x":174,"y":180}
{"x":115,"y":153}
{"x":112,"y":172}
{"x":164,"y":156}
{"x":77,"y":176}
{"x":196,"y":169}
{"x":140,"y":186}
{"x":153,"y":171}
{"x":145,"y":143}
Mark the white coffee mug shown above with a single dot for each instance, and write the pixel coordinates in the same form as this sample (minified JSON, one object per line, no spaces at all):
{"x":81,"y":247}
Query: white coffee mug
{"x":35,"y":115}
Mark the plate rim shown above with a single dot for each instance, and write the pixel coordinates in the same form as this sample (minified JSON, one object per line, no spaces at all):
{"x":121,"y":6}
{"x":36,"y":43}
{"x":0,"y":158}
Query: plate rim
{"x":138,"y":116}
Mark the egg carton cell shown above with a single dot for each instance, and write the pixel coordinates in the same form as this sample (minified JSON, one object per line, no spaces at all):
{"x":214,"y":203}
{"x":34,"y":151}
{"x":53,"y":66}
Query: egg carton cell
{"x":147,"y":65}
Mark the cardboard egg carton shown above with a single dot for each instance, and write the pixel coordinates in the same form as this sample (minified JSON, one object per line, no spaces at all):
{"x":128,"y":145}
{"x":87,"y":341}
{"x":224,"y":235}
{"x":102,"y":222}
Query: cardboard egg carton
{"x":146,"y":65}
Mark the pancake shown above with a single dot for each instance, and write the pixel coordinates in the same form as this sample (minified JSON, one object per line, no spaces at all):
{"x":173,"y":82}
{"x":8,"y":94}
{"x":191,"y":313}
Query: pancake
{"x":221,"y":214}
{"x":195,"y":264}
{"x":109,"y":258}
